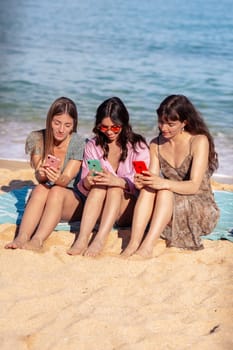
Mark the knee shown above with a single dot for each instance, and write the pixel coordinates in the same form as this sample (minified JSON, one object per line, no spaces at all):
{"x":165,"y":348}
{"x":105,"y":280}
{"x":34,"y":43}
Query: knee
{"x":165,"y":196}
{"x":164,"y":193}
{"x":39,"y":191}
{"x":38,"y":195}
{"x":115,"y":191}
{"x":56,"y":192}
{"x":97,"y":193}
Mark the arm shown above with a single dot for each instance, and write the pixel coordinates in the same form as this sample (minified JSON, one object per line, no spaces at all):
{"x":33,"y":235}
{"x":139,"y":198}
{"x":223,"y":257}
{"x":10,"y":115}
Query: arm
{"x":90,"y":152}
{"x":59,"y":178}
{"x":34,"y":147}
{"x":73,"y":161}
{"x":36,"y":163}
{"x":123,"y":179}
{"x":106,"y":178}
{"x":153,"y":167}
{"x":200,"y":152}
{"x":103,"y":178}
{"x":142,"y":154}
{"x":71,"y":170}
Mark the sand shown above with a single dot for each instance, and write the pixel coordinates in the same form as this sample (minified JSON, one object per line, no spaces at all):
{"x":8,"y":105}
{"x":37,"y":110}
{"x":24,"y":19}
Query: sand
{"x":50,"y":300}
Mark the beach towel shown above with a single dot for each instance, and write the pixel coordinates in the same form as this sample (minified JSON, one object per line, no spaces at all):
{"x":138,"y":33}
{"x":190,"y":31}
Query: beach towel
{"x":12,"y":205}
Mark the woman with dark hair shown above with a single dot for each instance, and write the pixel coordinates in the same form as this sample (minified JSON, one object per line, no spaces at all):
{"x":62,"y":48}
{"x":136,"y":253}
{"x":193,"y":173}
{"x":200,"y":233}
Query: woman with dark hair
{"x":111,"y":194}
{"x":54,"y":198}
{"x":176,"y":199}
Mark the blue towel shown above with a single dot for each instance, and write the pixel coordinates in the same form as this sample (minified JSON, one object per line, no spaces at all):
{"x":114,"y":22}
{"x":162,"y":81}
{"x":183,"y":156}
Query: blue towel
{"x":12,"y":208}
{"x":13,"y":204}
{"x":224,"y":228}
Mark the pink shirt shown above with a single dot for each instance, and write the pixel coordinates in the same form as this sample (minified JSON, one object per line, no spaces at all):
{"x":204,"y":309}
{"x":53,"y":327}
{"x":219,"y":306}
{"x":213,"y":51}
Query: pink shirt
{"x":125,"y":169}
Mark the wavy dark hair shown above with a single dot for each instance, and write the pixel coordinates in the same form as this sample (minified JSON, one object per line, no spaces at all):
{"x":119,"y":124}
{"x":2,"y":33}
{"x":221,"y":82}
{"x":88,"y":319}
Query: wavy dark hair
{"x":179,"y":107}
{"x":115,"y":109}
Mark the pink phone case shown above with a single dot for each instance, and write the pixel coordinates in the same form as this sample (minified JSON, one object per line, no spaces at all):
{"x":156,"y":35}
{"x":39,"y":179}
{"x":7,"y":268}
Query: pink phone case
{"x":52,"y":161}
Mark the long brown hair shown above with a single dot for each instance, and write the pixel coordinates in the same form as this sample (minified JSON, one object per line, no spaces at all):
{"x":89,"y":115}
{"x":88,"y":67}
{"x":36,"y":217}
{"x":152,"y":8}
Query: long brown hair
{"x":61,"y":105}
{"x":179,"y":107}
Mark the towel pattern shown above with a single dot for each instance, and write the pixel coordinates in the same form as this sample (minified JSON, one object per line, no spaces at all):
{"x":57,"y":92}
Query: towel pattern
{"x":13,"y":203}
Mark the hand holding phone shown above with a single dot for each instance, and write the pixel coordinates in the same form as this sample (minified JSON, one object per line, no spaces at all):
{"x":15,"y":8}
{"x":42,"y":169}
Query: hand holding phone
{"x":139,"y":166}
{"x":52,"y":161}
{"x":94,"y":165}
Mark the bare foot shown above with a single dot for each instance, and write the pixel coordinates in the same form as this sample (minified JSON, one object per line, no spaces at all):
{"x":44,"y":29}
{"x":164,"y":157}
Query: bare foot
{"x":78,"y":248}
{"x":17,"y":243}
{"x":145,"y":252}
{"x":130,"y":250}
{"x":34,"y":244}
{"x":95,"y":248}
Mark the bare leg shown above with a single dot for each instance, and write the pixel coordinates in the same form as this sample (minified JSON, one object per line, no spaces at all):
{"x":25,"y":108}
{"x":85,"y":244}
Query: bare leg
{"x":91,"y":213}
{"x":141,"y":216}
{"x":110,"y":214}
{"x":31,"y":216}
{"x":162,"y":215}
{"x":61,"y":203}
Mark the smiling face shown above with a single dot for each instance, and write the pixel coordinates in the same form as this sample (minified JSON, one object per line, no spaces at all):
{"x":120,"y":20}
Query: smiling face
{"x":62,"y":126}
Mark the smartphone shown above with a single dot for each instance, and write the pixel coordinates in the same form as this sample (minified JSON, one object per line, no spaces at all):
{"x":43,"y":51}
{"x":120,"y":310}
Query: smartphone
{"x":94,"y":165}
{"x":52,"y":161}
{"x":139,"y":166}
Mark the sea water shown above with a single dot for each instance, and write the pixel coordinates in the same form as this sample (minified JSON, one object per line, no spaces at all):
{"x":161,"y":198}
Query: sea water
{"x":140,"y":51}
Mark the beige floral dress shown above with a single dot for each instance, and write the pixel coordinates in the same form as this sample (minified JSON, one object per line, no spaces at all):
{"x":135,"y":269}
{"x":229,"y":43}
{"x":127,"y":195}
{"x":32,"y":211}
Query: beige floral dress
{"x":194,"y":215}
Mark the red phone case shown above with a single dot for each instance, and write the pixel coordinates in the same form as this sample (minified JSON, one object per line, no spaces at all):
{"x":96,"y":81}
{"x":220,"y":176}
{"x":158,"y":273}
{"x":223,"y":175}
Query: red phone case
{"x":139,"y":166}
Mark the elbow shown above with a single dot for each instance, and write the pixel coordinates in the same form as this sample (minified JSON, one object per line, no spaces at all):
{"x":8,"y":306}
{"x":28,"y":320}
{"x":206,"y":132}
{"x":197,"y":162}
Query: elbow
{"x":195,"y":188}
